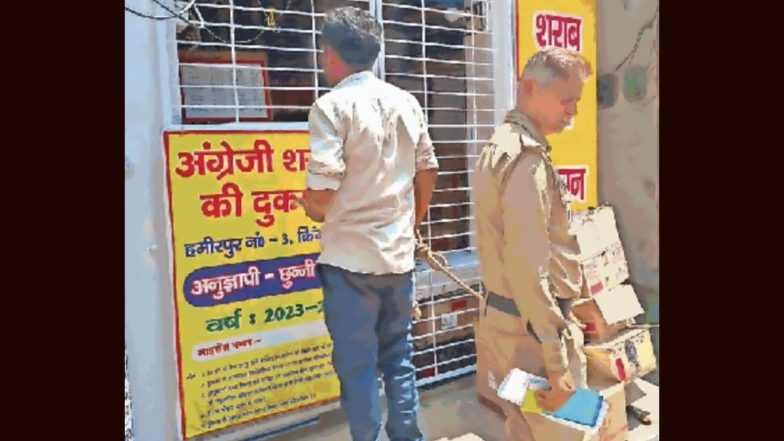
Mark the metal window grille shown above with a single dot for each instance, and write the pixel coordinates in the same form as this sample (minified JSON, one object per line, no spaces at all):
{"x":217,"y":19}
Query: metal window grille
{"x":257,"y":60}
{"x":441,"y":51}
{"x":251,"y":60}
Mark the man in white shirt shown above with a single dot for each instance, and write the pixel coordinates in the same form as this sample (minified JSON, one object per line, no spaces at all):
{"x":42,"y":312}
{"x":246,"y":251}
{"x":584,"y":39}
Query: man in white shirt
{"x":371,"y":175}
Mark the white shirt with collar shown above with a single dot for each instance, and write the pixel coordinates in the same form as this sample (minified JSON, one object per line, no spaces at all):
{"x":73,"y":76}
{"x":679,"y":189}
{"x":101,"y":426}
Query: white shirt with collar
{"x":368,"y":139}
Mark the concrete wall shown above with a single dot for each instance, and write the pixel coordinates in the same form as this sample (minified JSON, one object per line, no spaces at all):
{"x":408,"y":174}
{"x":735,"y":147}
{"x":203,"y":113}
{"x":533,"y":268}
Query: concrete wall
{"x":629,"y":133}
{"x":149,"y":311}
{"x":629,"y":139}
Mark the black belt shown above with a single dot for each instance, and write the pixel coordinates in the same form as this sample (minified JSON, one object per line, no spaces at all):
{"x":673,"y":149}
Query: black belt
{"x":507,"y":305}
{"x":503,"y":304}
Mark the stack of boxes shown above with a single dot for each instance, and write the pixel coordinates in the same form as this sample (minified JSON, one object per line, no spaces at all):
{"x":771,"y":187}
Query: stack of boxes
{"x":617,"y":352}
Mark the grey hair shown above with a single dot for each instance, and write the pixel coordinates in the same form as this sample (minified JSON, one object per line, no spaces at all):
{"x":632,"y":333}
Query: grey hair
{"x":552,"y":62}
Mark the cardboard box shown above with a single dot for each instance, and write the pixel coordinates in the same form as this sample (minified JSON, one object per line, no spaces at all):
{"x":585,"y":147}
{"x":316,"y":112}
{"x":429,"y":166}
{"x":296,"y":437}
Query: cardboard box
{"x":615,"y":426}
{"x":441,"y":316}
{"x":624,"y":358}
{"x":604,"y":271}
{"x":606,"y":314}
{"x":602,"y":258}
{"x":596,"y":230}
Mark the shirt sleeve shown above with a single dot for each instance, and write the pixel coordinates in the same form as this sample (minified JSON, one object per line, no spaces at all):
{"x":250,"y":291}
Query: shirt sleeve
{"x":425,"y":152}
{"x":526,"y":203}
{"x":326,"y":165}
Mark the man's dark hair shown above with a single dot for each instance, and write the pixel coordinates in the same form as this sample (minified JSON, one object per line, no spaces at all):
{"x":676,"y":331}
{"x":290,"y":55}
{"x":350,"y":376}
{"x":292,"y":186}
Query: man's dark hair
{"x":354,"y":34}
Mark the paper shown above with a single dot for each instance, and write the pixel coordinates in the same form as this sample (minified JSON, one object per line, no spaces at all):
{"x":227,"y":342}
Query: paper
{"x":514,"y":386}
{"x":618,"y":304}
{"x":213,"y":85}
{"x":585,"y":410}
{"x":449,"y":321}
{"x":530,"y":403}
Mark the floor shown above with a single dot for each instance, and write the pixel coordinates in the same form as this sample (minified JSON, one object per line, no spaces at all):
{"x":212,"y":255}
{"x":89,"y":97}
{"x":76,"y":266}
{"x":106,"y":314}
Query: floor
{"x":451,"y":410}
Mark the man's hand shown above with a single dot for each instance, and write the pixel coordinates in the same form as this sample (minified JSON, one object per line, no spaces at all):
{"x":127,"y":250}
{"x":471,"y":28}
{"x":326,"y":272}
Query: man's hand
{"x":573,"y":318}
{"x":316,"y":203}
{"x":561,"y":389}
{"x":420,"y":250}
{"x":309,"y":212}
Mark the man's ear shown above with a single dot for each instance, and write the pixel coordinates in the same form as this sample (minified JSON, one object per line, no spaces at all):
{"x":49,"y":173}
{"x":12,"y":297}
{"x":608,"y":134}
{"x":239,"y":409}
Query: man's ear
{"x":528,"y":86}
{"x":331,"y":58}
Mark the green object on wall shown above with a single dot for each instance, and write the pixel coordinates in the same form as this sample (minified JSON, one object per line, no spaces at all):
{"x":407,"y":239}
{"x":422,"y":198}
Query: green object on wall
{"x":635,"y":83}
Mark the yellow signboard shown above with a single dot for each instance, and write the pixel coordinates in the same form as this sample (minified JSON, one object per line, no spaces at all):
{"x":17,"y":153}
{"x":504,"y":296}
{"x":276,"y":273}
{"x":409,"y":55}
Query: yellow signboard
{"x":570,"y":24}
{"x":251,"y":338}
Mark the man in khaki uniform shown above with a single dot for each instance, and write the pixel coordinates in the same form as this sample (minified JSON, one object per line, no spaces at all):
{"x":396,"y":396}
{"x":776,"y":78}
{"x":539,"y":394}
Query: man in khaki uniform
{"x":528,"y":256}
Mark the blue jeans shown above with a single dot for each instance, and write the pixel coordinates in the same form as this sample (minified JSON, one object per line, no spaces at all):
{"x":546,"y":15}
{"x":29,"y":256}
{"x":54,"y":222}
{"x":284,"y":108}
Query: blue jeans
{"x":369,"y":320}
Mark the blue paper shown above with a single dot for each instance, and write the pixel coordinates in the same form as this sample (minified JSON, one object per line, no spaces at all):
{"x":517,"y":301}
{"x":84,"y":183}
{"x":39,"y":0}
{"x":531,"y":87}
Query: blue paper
{"x":583,"y":407}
